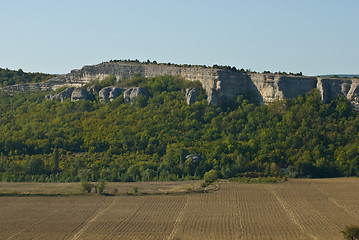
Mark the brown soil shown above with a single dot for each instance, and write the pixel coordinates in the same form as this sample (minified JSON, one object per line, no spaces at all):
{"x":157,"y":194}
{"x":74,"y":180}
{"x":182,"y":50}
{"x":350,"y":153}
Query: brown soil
{"x":297,"y":209}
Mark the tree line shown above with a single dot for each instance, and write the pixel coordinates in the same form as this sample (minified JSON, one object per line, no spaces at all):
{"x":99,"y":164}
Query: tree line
{"x":12,"y":77}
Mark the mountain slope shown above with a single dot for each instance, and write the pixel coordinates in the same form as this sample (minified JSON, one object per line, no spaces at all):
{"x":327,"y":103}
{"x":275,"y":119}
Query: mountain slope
{"x":151,"y":138}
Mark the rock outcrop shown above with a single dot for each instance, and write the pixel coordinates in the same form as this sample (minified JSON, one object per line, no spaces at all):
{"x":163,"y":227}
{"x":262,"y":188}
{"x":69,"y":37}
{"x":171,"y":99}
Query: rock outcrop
{"x":191,"y":95}
{"x":104,"y":94}
{"x":134,"y":92}
{"x":110,"y":93}
{"x":115,"y":93}
{"x":330,"y":88}
{"x":270,"y":87}
{"x":80,"y":94}
{"x":93,"y":89}
{"x":61,"y":96}
{"x":217,"y":83}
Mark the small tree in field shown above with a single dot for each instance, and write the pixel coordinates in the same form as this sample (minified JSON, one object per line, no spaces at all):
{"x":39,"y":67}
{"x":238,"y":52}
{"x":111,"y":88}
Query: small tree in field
{"x":135,"y":189}
{"x":210,"y":177}
{"x":351,"y":232}
{"x":86,"y":187}
{"x":100,"y":187}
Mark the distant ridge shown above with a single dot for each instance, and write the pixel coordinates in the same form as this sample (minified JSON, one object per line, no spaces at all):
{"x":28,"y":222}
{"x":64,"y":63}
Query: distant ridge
{"x":340,"y":75}
{"x":221,"y":83}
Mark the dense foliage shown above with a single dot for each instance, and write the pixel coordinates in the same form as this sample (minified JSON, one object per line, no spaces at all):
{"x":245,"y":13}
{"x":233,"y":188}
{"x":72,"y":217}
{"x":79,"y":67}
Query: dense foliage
{"x":11,"y":77}
{"x":150,"y":138}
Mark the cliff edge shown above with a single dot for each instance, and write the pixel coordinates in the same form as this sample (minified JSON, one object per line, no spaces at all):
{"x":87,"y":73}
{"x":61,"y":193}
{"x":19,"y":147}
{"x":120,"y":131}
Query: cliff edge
{"x":218,"y":83}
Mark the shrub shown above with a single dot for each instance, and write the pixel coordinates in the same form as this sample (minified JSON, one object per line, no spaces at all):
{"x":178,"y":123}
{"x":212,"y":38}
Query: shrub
{"x":108,"y":81}
{"x":351,"y":232}
{"x":100,"y":187}
{"x":210,"y":177}
{"x":86,"y":187}
{"x":135,"y":189}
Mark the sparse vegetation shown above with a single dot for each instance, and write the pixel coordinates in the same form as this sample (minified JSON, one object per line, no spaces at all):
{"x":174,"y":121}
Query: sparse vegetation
{"x":259,"y":179}
{"x":111,"y":188}
{"x":233,"y":210}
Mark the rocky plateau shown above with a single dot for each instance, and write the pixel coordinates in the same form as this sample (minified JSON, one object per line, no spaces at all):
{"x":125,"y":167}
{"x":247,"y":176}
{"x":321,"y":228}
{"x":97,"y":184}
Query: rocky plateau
{"x":217,"y":83}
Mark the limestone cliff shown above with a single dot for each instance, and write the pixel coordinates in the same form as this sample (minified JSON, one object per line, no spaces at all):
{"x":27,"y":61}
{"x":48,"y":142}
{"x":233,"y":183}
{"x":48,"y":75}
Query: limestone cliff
{"x":270,"y":87}
{"x":330,"y":88}
{"x":191,"y":95}
{"x":218,"y":83}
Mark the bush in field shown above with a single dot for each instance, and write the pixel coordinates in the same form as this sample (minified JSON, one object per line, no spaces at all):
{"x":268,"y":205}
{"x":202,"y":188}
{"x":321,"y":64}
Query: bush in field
{"x":135,"y":189}
{"x":100,"y":187}
{"x":210,"y":177}
{"x":351,"y":232}
{"x":86,"y":187}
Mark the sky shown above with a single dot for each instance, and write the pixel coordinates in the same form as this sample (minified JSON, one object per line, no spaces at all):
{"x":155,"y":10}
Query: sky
{"x":310,"y":36}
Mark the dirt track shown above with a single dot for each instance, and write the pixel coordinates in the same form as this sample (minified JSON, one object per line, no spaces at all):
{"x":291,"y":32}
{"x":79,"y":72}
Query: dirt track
{"x":298,"y":209}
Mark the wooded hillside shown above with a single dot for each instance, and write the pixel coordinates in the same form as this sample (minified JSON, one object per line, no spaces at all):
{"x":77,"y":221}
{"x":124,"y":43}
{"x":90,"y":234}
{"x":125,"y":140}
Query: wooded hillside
{"x":150,"y":138}
{"x":11,"y":77}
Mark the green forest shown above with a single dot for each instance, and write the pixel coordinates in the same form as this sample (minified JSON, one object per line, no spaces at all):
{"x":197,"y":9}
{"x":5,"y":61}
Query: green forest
{"x":11,"y":77}
{"x":149,"y":139}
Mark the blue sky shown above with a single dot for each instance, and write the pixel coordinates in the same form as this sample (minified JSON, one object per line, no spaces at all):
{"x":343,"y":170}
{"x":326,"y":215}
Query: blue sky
{"x":52,"y":36}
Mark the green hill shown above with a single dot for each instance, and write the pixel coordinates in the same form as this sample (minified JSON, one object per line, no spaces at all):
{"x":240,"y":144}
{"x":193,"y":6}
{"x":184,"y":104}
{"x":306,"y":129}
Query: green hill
{"x":150,"y":138}
{"x":11,"y":77}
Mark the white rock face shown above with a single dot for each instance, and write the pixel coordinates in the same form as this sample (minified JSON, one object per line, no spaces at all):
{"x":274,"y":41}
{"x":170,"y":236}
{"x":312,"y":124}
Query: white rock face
{"x":330,"y":88}
{"x":218,"y":83}
{"x":270,"y":87}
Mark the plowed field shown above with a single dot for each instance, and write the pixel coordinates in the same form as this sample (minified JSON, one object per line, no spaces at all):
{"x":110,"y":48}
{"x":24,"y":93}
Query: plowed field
{"x":297,"y":209}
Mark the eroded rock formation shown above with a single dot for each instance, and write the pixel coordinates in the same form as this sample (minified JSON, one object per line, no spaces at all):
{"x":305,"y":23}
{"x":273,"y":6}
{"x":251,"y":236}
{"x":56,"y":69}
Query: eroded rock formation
{"x":191,"y":95}
{"x":80,"y":94}
{"x":110,"y":93}
{"x":61,"y":96}
{"x":218,"y":83}
{"x":93,"y":89}
{"x":134,"y":92}
{"x":115,"y":93}
{"x":269,"y":87}
{"x":104,"y":94}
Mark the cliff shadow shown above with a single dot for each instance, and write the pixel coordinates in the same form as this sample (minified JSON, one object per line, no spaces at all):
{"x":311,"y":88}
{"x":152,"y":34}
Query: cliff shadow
{"x":252,"y":93}
{"x":293,"y":86}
